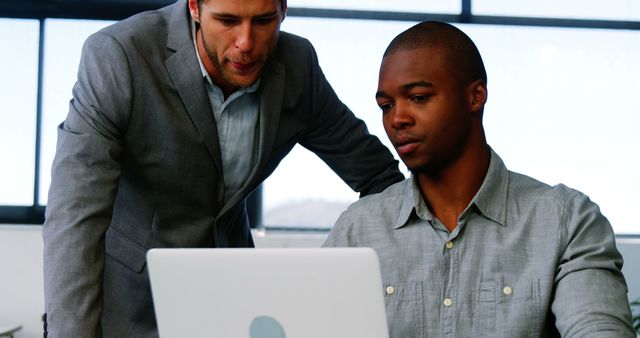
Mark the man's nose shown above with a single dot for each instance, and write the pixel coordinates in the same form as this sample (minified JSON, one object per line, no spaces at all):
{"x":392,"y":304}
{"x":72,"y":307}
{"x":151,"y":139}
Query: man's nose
{"x":401,"y":117}
{"x":244,"y":40}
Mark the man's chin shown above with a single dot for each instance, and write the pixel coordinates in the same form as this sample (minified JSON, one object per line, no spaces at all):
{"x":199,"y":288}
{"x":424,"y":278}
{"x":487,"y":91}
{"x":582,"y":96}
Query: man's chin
{"x":242,"y":82}
{"x":241,"y":79}
{"x":416,"y":167}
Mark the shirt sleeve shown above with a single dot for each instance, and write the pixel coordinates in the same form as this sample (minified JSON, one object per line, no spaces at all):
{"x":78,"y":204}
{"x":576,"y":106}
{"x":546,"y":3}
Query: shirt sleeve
{"x":339,"y":234}
{"x":590,"y":298}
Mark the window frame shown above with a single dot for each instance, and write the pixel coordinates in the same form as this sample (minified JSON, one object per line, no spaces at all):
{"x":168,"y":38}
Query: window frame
{"x":120,"y":9}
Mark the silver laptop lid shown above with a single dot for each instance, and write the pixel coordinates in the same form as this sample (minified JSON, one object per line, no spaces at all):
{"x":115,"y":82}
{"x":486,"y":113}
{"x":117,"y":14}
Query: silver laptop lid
{"x":268,"y":293}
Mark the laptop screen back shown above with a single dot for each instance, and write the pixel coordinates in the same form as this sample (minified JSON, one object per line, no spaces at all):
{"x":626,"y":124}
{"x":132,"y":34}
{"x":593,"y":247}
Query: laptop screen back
{"x":267,"y":293}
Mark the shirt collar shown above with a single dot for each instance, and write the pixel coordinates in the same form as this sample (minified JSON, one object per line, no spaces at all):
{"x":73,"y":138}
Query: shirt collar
{"x":490,"y":200}
{"x":205,"y":74}
{"x":412,"y":201}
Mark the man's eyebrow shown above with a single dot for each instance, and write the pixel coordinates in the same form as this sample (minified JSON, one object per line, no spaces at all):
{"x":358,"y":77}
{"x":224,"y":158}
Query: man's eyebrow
{"x":406,"y":87}
{"x":381,"y":94}
{"x":223,"y":15}
{"x":412,"y":85}
{"x":267,"y":15}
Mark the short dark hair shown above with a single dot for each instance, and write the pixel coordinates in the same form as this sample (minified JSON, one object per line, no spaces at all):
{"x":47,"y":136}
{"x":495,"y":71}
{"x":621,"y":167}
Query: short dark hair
{"x":461,"y":53}
{"x":283,"y":3}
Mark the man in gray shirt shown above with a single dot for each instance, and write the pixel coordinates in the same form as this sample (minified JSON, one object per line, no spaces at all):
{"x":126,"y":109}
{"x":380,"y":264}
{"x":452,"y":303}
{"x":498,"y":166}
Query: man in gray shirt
{"x":468,"y":248}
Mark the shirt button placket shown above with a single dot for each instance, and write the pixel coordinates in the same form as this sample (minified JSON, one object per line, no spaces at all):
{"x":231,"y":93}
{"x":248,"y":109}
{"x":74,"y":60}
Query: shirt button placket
{"x":449,"y":287}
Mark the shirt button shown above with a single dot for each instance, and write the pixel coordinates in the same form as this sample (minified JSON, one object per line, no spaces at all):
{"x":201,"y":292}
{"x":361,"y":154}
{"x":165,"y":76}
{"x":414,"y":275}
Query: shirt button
{"x":447,"y":302}
{"x":449,"y":245}
{"x":507,"y":290}
{"x":390,"y":290}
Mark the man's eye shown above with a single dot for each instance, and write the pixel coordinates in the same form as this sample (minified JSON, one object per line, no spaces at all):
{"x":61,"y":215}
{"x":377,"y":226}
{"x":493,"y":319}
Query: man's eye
{"x":420,"y":98}
{"x":228,"y":22}
{"x":385,"y":107}
{"x":264,"y":21}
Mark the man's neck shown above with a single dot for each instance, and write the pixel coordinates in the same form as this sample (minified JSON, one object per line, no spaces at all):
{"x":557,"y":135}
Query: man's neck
{"x":449,"y":192}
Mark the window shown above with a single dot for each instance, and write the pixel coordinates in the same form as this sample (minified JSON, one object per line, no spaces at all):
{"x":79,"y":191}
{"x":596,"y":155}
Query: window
{"x":560,"y":99}
{"x":411,"y":6}
{"x":628,"y":10}
{"x":560,"y":110}
{"x":18,"y":94}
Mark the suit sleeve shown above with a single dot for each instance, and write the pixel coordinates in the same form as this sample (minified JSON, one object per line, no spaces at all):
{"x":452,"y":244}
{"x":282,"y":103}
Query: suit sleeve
{"x":590,"y":298}
{"x":343,"y":142}
{"x":84,"y":178}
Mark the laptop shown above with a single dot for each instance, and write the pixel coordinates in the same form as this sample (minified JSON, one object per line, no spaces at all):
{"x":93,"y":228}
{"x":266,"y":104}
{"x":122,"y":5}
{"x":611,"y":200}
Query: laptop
{"x":267,"y":293}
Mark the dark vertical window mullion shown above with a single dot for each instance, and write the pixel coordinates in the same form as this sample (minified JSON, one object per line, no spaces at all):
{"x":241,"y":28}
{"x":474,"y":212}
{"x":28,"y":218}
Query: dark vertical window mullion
{"x":465,"y":12}
{"x":36,"y":178}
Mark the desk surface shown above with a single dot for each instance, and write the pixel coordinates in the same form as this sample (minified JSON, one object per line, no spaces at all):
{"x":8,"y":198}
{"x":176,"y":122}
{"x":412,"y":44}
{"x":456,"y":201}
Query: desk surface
{"x":6,"y":330}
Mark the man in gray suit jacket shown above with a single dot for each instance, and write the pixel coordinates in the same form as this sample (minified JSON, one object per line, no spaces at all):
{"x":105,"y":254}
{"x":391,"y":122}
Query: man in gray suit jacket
{"x":177,"y":116}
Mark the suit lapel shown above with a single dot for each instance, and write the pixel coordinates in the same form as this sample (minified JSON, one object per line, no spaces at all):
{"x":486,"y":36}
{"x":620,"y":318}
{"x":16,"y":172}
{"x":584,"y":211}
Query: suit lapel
{"x":271,"y":97}
{"x":188,"y":80}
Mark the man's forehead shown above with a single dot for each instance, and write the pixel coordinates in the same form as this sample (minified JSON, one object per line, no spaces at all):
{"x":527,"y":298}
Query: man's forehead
{"x":427,"y":52}
{"x":414,"y":59}
{"x":276,"y":2}
{"x":242,"y":8}
{"x":411,"y":68}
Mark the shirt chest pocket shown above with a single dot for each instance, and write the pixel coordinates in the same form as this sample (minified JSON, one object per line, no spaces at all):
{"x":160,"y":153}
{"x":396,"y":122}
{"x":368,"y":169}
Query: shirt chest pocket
{"x":509,"y":308}
{"x":404,"y":303}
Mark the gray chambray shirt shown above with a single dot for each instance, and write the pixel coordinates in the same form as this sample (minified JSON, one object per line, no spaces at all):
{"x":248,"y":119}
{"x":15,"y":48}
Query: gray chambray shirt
{"x":525,"y":260}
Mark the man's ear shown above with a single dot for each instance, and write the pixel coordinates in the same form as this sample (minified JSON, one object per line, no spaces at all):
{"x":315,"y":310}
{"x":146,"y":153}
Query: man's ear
{"x":284,"y":9}
{"x":193,"y":9}
{"x":477,"y":95}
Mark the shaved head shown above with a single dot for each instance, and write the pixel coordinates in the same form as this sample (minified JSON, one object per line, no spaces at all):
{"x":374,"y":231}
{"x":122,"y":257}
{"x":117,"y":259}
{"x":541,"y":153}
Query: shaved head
{"x":462,"y":57}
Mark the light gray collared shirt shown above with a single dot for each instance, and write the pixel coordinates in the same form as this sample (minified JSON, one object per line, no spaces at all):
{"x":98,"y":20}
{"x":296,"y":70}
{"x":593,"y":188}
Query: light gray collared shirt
{"x":523,"y":254}
{"x":237,"y":125}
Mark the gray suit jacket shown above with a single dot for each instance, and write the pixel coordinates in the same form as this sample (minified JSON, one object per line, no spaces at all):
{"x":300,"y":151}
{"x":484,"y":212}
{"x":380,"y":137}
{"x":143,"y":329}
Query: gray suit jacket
{"x":138,"y":165}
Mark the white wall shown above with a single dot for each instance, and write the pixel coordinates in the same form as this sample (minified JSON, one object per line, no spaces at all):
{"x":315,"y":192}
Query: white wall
{"x":21,"y":286}
{"x":630,"y":250}
{"x":21,"y":295}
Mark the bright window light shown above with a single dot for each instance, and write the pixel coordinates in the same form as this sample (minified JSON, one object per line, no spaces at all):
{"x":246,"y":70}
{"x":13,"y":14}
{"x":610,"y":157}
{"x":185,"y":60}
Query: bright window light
{"x":560,"y":101}
{"x":411,"y":6}
{"x":625,"y":10}
{"x":560,"y":110}
{"x":18,"y":94}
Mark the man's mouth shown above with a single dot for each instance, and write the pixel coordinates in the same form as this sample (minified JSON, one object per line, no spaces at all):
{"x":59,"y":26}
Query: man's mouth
{"x":406,"y":148}
{"x":242,"y":65}
{"x":406,"y":145}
